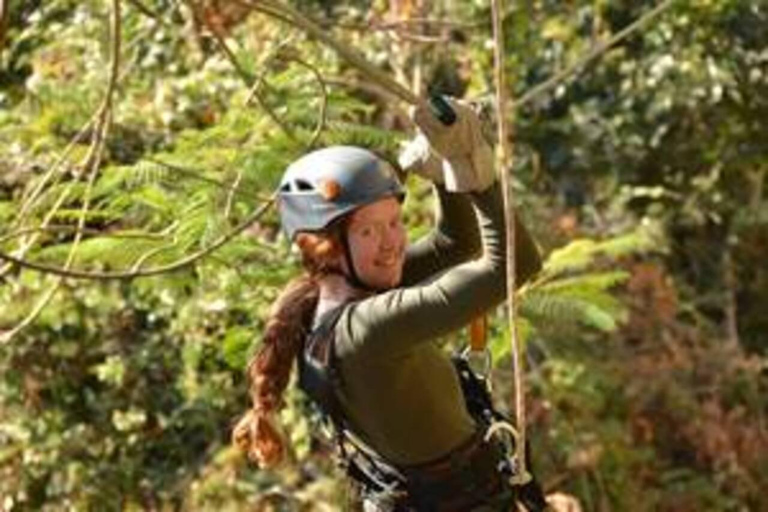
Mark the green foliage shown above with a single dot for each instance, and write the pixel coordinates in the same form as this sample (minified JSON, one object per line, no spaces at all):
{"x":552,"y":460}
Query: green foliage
{"x":571,"y":289}
{"x":580,"y":254}
{"x":121,"y":395}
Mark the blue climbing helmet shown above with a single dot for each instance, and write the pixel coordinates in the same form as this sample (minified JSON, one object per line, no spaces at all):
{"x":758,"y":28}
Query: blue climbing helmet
{"x":326,"y":184}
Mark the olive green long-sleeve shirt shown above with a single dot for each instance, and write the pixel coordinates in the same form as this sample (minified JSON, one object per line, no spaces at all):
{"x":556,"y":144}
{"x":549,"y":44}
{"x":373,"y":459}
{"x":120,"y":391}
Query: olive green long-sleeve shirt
{"x":400,"y":391}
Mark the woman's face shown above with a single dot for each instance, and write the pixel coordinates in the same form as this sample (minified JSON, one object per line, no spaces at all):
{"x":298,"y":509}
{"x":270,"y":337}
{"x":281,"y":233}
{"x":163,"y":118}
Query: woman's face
{"x":377,"y":241}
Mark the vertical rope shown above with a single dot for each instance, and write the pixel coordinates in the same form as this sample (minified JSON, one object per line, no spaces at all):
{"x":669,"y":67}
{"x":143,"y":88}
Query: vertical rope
{"x":504,"y":164}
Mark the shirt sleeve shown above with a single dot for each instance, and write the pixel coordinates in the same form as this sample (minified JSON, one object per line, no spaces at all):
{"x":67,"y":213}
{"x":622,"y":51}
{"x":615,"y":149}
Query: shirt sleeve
{"x":392,"y":322}
{"x":455,"y":238}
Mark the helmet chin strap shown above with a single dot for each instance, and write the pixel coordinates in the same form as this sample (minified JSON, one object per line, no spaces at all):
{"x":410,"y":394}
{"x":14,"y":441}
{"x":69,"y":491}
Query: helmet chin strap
{"x":352,"y":277}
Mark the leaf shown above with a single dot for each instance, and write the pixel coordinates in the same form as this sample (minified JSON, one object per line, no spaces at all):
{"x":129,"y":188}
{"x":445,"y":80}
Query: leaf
{"x":237,"y":346}
{"x":7,"y":211}
{"x":597,"y":310}
{"x":501,"y":346}
{"x":592,"y":281}
{"x":582,"y":253}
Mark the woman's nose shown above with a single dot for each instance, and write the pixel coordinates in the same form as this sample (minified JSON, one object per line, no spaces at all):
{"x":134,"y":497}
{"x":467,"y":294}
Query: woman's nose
{"x":388,"y":239}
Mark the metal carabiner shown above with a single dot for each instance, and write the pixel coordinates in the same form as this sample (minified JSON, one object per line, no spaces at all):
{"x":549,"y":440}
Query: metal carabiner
{"x":497,"y":429}
{"x":480,"y":362}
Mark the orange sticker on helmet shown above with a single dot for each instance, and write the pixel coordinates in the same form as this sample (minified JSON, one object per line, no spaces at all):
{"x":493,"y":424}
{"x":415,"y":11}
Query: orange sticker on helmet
{"x":330,"y":189}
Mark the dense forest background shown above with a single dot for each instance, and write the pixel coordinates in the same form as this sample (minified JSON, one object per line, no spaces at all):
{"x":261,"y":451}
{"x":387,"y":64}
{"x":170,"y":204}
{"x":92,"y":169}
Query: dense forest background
{"x":140,"y":144}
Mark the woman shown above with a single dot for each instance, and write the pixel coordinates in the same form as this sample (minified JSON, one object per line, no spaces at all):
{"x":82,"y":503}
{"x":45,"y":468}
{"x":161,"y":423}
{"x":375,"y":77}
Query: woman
{"x":385,"y":308}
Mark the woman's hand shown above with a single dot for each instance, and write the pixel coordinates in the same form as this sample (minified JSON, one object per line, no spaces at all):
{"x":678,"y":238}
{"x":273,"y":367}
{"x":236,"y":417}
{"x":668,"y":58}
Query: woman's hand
{"x":418,"y":157}
{"x":467,"y":157}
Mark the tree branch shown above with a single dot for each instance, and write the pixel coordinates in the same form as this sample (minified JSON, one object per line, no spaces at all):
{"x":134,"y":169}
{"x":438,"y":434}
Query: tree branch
{"x":294,"y":17}
{"x":92,"y":164}
{"x":593,"y":54}
{"x":322,"y":115}
{"x":4,"y":10}
{"x":146,"y":11}
{"x":198,"y":175}
{"x":85,"y":231}
{"x":248,"y":81}
{"x":163,"y":269}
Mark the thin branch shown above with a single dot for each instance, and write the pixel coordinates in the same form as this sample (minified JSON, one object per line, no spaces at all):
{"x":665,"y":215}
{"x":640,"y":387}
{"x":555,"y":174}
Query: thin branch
{"x":26,"y":244}
{"x":731,"y":304}
{"x":85,"y":231}
{"x":184,"y":262}
{"x":322,"y":115}
{"x":7,"y":336}
{"x":245,"y":76}
{"x":593,"y":54}
{"x":421,"y":21}
{"x":286,"y":12}
{"x":143,"y":9}
{"x":29,"y":201}
{"x":92,"y":164}
{"x":417,"y":38}
{"x":4,"y":10}
{"x":141,"y":260}
{"x":377,"y":26}
{"x":247,"y":80}
{"x":265,"y":64}
{"x":372,"y":87}
{"x":231,"y":194}
{"x":198,"y":175}
{"x":93,"y":159}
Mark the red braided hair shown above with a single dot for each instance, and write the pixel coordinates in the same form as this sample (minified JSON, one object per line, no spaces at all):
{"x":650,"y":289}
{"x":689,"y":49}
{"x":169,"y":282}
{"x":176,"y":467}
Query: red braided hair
{"x":257,"y":433}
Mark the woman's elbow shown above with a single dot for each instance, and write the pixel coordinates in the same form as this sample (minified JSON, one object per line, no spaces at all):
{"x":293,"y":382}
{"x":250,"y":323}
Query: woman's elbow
{"x":528,"y":267}
{"x":469,"y":250}
{"x":527,"y":255}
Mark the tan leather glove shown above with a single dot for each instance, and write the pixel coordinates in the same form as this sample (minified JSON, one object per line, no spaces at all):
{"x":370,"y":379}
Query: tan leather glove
{"x":467,"y":156}
{"x":418,"y":157}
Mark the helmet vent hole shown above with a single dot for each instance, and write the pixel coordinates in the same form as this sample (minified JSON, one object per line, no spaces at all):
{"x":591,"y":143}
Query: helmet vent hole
{"x":304,"y":186}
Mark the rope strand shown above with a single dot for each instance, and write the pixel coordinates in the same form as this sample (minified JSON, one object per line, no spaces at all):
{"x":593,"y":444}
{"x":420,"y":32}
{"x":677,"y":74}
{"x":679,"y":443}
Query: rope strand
{"x":504,"y":164}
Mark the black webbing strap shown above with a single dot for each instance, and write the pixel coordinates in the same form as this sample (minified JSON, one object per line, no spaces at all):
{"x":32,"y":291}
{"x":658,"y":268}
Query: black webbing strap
{"x":318,"y":374}
{"x":480,"y":406}
{"x":320,"y":379}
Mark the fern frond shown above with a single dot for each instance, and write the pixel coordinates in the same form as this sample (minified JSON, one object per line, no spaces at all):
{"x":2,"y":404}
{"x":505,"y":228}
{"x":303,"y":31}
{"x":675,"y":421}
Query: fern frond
{"x":500,"y":346}
{"x":72,"y":215}
{"x":582,"y":253}
{"x":597,"y":310}
{"x":194,"y":222}
{"x":118,"y":253}
{"x":592,"y":281}
{"x":340,"y":132}
{"x":7,"y":211}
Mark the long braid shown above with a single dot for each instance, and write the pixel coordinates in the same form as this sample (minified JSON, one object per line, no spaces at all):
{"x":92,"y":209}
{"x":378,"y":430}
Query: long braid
{"x":257,"y":433}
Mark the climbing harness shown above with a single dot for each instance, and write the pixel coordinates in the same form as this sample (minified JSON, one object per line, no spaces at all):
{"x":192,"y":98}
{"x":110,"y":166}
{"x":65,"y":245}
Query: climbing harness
{"x":483,"y":466}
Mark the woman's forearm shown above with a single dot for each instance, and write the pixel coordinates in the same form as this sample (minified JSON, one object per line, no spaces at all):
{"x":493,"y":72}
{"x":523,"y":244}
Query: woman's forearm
{"x":454,"y":239}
